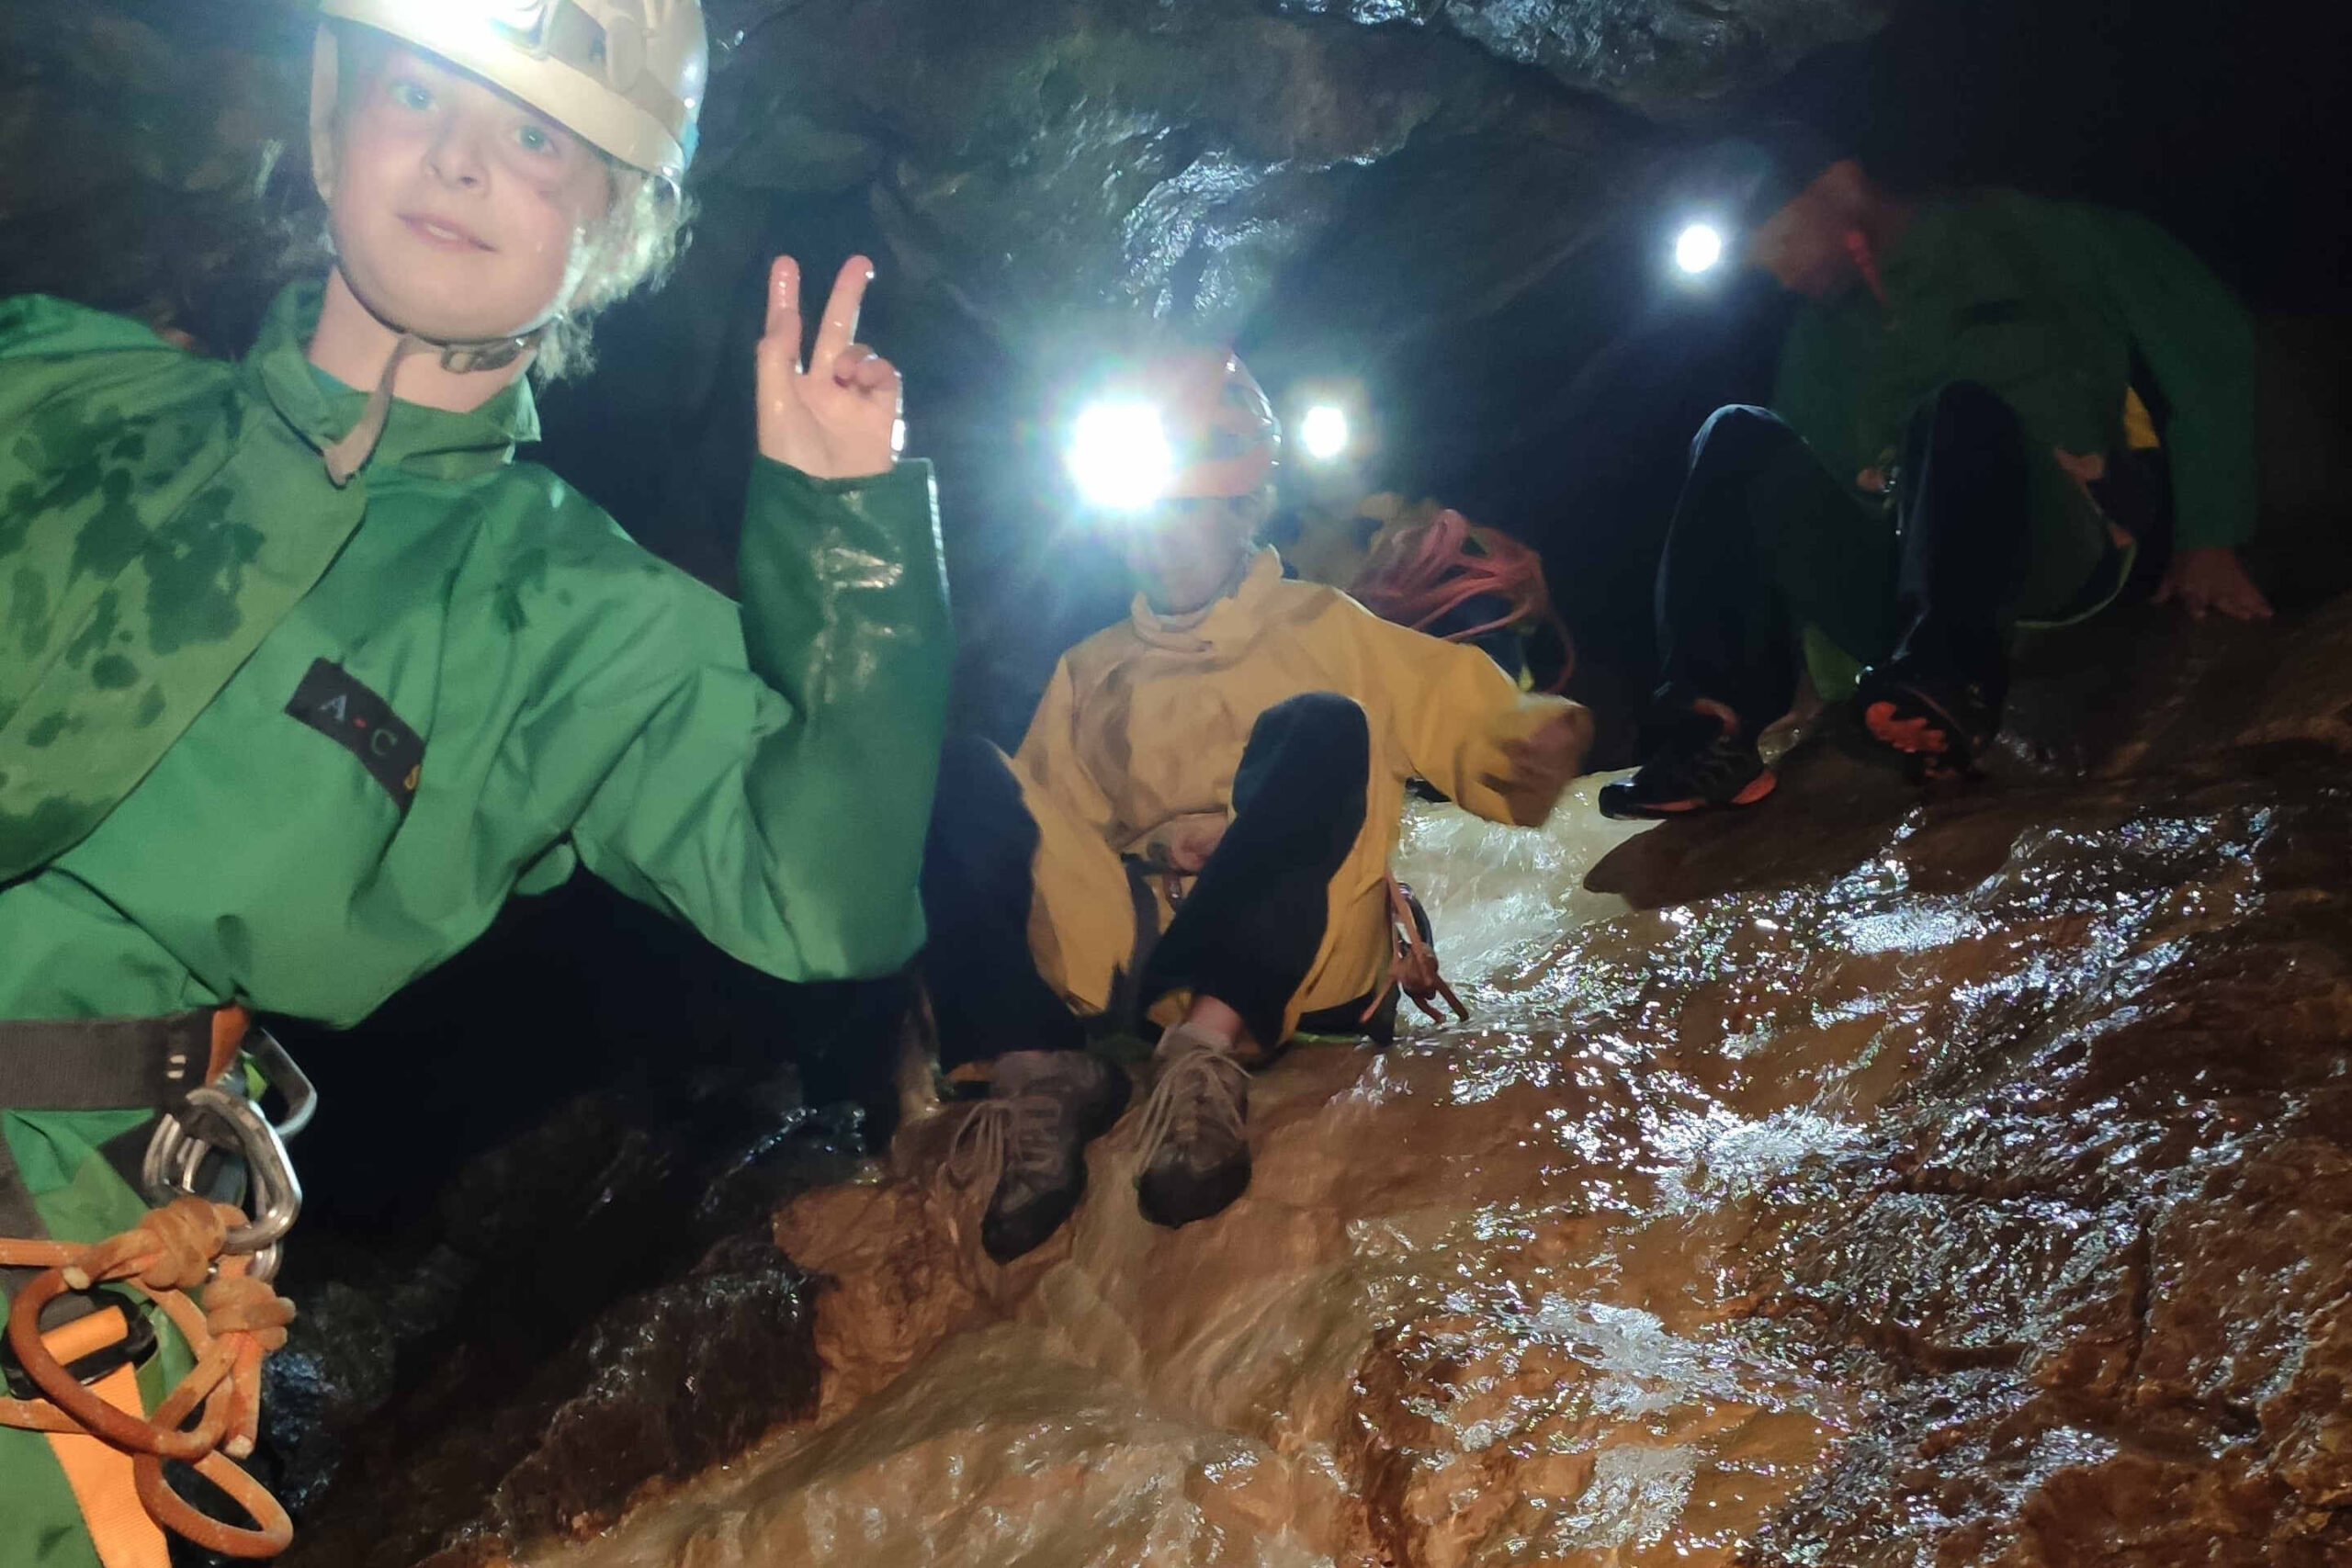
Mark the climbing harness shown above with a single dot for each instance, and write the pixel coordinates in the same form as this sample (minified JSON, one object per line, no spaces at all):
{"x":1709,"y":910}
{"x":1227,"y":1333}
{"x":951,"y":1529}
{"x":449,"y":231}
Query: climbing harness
{"x":203,"y":1262}
{"x":1419,"y":573}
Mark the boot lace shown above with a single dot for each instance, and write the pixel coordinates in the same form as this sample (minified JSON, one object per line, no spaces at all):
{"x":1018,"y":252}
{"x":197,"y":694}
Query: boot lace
{"x":1199,"y":1091}
{"x":1015,"y":1134}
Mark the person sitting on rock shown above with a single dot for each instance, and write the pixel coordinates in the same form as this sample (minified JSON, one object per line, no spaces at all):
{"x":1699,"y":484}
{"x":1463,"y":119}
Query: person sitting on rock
{"x":1957,"y":416}
{"x":1197,"y":830}
{"x":306,"y":676}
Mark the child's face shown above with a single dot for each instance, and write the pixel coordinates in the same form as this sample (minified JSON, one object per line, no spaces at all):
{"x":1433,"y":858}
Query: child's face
{"x":1186,"y":550}
{"x":459,"y":213}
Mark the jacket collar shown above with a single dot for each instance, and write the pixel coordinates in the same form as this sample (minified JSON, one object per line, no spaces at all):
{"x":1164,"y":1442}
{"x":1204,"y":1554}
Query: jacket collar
{"x":426,"y":442}
{"x":1231,"y":619}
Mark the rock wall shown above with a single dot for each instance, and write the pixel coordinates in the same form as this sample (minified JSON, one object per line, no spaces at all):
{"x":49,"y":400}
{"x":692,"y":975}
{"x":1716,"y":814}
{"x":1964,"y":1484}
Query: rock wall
{"x":1075,"y":160}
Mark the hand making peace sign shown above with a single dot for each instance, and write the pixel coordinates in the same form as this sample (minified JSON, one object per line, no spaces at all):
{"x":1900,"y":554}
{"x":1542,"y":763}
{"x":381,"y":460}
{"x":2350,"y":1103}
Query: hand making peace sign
{"x":837,"y":419}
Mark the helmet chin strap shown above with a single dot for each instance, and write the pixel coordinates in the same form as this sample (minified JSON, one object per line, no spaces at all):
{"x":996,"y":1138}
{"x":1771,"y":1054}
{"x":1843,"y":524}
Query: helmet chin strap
{"x":348,"y":455}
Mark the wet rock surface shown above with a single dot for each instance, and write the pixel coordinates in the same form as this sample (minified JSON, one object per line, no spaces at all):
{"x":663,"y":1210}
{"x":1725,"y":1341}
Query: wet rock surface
{"x":1658,"y":55}
{"x":1954,"y":1179}
{"x":591,"y":1307}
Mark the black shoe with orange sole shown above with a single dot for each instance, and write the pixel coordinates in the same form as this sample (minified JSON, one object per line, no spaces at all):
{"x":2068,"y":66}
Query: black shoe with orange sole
{"x":1702,"y":765}
{"x":1943,"y":726}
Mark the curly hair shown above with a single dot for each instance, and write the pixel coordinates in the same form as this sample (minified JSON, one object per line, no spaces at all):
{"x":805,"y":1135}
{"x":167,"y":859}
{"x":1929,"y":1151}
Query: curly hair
{"x":632,"y":246}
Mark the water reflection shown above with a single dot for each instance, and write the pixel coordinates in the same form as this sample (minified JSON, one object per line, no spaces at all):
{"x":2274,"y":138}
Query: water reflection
{"x":1493,"y":1297}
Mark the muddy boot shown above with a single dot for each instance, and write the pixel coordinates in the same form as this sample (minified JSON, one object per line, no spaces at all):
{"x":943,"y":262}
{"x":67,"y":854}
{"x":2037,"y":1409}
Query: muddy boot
{"x":1701,"y":762}
{"x":1194,"y":1158}
{"x":1027,"y":1140}
{"x":1942,"y":724}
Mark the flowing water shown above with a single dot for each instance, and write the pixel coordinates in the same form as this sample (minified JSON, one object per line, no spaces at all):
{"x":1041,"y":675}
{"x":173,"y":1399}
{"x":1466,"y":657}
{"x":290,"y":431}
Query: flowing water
{"x":1529,"y":1289}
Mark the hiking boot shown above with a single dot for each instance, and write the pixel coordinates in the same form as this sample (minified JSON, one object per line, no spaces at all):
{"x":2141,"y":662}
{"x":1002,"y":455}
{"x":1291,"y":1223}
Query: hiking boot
{"x":1195,"y":1153}
{"x":1942,"y":724}
{"x":1028,"y":1142}
{"x":1702,"y":762}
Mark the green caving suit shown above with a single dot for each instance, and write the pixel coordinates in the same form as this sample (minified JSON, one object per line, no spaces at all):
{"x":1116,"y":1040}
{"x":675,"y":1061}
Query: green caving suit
{"x":2046,"y":304}
{"x":177,"y":571}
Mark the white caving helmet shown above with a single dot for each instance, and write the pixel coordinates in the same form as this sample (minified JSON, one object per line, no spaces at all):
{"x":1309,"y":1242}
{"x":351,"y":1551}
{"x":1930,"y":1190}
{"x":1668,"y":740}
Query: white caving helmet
{"x":626,"y":76}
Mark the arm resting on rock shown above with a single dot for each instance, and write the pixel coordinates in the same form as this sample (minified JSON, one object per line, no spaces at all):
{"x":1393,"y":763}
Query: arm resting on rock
{"x":2198,"y":343}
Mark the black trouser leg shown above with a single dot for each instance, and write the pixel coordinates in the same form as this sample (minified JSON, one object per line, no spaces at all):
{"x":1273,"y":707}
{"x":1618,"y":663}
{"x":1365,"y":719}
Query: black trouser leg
{"x":1250,"y":929}
{"x":1965,"y":530}
{"x":1762,"y":540}
{"x":986,"y":993}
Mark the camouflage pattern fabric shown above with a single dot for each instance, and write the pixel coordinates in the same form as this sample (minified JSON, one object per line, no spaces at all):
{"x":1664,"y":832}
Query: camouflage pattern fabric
{"x":156,"y":518}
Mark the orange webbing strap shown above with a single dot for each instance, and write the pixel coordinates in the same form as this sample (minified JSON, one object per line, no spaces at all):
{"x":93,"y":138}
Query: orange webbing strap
{"x":229,"y":1026}
{"x":104,"y":1478}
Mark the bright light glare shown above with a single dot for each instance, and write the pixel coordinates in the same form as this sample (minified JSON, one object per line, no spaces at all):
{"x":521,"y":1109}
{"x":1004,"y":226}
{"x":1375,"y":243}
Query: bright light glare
{"x":1119,"y":456}
{"x":1697,"y":247}
{"x":1324,"y":432}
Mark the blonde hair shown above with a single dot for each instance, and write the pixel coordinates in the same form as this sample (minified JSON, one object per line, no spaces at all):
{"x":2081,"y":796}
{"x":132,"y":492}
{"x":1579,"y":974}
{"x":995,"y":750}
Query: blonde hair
{"x":633,"y":245}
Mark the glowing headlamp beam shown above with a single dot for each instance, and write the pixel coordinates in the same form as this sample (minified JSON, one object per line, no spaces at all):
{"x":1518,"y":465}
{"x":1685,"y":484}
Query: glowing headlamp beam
{"x":1119,"y":456}
{"x":1324,"y":432}
{"x":1698,"y":248}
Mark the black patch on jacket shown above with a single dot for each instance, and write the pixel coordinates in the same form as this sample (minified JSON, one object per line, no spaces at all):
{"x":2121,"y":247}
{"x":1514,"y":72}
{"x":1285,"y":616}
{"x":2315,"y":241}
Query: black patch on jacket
{"x":362,"y":724}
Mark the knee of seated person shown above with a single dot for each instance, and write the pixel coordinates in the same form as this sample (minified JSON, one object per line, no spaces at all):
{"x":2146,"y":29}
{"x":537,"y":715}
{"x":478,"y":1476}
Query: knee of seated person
{"x":1739,"y":431}
{"x":1971,"y":406}
{"x":1320,"y":718}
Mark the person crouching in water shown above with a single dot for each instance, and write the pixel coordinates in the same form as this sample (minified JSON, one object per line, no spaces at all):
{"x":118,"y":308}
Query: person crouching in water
{"x":1245,"y":735}
{"x":306,"y":675}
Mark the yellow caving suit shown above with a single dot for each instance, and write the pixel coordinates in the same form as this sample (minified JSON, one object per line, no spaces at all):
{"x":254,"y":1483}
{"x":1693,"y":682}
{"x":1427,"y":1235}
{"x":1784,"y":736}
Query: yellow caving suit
{"x":1144,"y":725}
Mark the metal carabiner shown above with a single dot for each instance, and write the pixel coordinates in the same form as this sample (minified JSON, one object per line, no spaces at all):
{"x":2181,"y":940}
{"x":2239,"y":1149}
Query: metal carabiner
{"x":287,"y":1080}
{"x":180,"y":1144}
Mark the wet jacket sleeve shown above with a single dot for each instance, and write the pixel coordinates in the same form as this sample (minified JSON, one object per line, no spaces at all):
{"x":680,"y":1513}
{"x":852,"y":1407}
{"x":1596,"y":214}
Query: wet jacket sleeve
{"x":2198,"y":340}
{"x":781,"y":808}
{"x":1454,"y":711}
{"x":1052,"y":763}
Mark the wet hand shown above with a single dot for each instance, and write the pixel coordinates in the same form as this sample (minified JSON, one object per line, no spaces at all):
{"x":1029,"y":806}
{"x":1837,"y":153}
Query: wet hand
{"x":2212,"y":578}
{"x":1548,"y":759}
{"x":836,"y":416}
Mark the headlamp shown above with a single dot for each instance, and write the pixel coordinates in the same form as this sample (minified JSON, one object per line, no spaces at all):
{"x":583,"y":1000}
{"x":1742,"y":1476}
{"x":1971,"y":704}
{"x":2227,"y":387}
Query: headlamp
{"x":1324,"y":432}
{"x":1698,"y":247}
{"x":1120,"y":456}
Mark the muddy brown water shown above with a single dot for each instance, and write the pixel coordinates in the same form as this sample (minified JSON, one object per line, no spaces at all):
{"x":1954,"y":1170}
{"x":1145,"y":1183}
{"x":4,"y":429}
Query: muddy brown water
{"x":1983,"y":1202}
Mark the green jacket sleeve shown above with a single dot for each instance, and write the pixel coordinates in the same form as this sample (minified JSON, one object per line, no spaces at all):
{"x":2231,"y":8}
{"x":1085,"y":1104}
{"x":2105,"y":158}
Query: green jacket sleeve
{"x":777,"y":798}
{"x":2198,"y":343}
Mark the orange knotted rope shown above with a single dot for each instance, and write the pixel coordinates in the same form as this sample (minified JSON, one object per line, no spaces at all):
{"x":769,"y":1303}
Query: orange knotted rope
{"x":1418,"y":573}
{"x":175,"y":1249}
